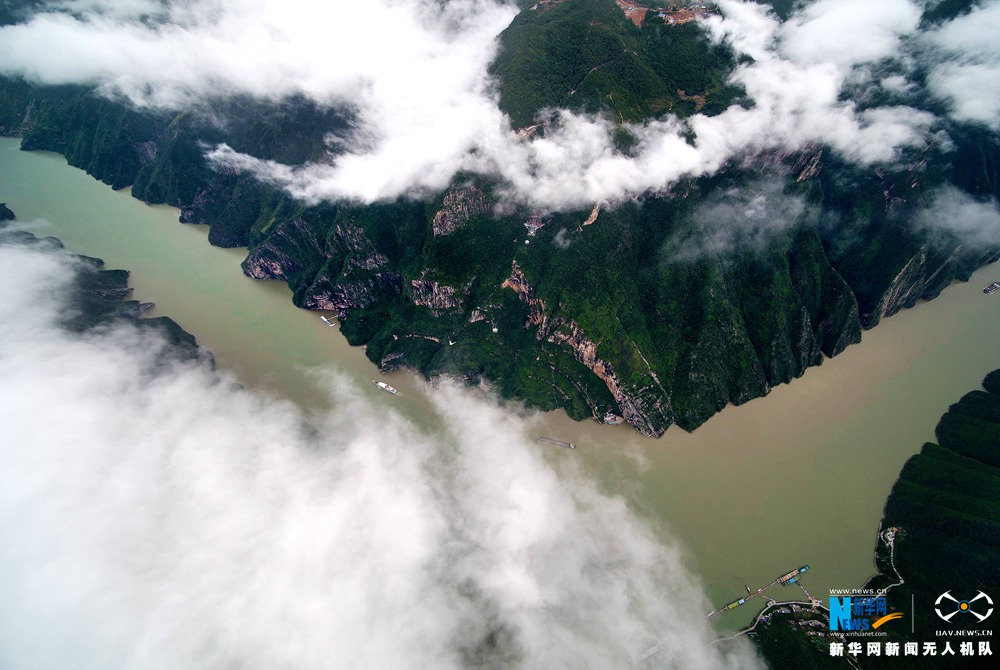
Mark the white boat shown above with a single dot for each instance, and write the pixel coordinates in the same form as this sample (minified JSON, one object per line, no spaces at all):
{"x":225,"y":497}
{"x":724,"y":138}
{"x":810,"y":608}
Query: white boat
{"x":328,"y":321}
{"x":385,"y":387}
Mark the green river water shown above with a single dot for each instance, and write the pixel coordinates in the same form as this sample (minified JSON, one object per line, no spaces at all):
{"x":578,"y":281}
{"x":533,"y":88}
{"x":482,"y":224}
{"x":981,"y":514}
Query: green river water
{"x":797,"y":477}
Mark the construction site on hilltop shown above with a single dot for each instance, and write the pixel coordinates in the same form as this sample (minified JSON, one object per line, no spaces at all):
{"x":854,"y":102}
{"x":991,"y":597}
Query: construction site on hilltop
{"x":673,"y":14}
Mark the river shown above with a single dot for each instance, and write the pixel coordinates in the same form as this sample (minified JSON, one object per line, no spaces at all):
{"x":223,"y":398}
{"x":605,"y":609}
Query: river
{"x":797,"y":477}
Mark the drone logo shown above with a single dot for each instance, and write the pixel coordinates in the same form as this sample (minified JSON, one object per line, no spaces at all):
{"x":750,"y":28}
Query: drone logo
{"x":947,"y":610}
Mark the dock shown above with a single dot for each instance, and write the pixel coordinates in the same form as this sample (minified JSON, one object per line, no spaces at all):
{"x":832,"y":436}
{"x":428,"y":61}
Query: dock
{"x":558,"y":443}
{"x":786,"y":579}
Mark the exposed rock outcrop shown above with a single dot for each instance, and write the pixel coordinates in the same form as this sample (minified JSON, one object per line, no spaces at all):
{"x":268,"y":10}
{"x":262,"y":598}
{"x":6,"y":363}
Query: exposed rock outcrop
{"x":909,"y":284}
{"x":392,"y":362}
{"x":713,"y":332}
{"x":351,"y":293}
{"x":924,"y":276}
{"x":205,"y":199}
{"x":809,"y":165}
{"x":537,"y":314}
{"x":282,"y":254}
{"x":437,"y":297}
{"x":146,"y":151}
{"x":361,"y":252}
{"x":593,"y":214}
{"x":459,"y":205}
{"x":647,"y":410}
{"x":649,"y":413}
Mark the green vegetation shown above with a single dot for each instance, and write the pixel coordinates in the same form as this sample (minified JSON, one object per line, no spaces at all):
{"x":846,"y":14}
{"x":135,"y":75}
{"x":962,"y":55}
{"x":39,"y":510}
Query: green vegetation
{"x":586,"y":55}
{"x":16,"y":11}
{"x":677,"y":323}
{"x":945,"y":10}
{"x":946,"y":507}
{"x":783,"y":8}
{"x":788,"y":640}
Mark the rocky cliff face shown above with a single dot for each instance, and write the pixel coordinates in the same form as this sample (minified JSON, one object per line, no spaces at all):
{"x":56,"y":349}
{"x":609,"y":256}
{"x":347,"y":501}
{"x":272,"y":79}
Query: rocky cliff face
{"x":537,"y":313}
{"x":458,"y":206}
{"x":913,"y":281}
{"x":721,"y":364}
{"x":647,"y":409}
{"x":590,"y":319}
{"x":437,"y":297}
{"x":336,"y":269}
{"x":351,"y":293}
{"x":355,"y":244}
{"x":924,"y":276}
{"x":281,"y":255}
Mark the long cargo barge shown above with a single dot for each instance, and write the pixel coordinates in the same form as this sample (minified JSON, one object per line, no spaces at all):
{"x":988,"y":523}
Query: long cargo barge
{"x":558,"y":443}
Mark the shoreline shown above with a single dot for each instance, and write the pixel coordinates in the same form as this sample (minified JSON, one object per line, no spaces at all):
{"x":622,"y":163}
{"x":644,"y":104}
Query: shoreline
{"x":840,"y":434}
{"x":393,"y":366}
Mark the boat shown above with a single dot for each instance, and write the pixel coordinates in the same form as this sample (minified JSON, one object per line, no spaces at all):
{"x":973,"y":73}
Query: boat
{"x":995,"y":286}
{"x":385,"y":387}
{"x":328,"y":321}
{"x":612,"y":419}
{"x":560,"y":443}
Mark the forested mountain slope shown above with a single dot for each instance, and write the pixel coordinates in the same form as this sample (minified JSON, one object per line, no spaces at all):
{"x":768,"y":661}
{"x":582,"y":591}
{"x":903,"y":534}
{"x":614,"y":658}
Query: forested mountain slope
{"x":661,"y":309}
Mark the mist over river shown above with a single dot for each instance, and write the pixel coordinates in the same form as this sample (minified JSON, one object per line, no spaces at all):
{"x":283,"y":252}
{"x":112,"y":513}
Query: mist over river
{"x":797,"y":477}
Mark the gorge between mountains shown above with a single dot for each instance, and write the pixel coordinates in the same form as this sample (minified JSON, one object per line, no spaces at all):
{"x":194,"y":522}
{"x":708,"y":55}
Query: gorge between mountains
{"x":663,"y":310}
{"x":732,"y":253}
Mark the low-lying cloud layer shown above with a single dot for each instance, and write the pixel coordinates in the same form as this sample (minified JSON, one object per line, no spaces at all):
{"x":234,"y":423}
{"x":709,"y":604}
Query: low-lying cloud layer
{"x":158,"y":518}
{"x":415,"y":72}
{"x":967,"y":65}
{"x":953,"y":214}
{"x":739,"y":219}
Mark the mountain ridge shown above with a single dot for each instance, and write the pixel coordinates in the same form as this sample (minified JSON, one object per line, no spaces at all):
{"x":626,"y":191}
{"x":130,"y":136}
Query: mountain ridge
{"x":663,"y":308}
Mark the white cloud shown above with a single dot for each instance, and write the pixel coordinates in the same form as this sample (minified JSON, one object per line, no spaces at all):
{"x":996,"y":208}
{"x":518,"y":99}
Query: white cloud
{"x":561,"y":239}
{"x":966,"y":65}
{"x":797,"y":104}
{"x":740,"y":219}
{"x":157,"y":518}
{"x":897,"y":84}
{"x":848,"y":32}
{"x":415,"y":71}
{"x":956,"y":214}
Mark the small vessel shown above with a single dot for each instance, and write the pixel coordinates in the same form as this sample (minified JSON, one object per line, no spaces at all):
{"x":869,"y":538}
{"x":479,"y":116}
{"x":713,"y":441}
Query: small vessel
{"x":385,"y":387}
{"x":559,"y":443}
{"x":327,"y":321}
{"x":995,"y":286}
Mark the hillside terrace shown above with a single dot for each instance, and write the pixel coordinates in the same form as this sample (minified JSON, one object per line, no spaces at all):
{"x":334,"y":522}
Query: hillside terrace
{"x":673,"y":15}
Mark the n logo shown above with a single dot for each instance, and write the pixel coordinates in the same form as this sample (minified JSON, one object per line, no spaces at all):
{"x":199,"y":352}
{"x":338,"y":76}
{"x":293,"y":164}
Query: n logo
{"x":840,"y":613}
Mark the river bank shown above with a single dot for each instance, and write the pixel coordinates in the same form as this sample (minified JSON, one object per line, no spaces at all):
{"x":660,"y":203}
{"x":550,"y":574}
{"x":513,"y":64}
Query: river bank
{"x":799,"y":476}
